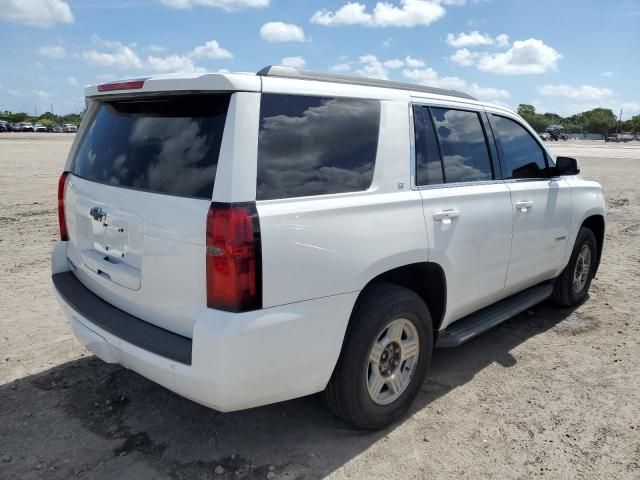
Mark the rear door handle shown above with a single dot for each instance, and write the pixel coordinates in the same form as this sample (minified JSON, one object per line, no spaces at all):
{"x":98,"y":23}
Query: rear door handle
{"x":524,"y":206}
{"x":446,"y":216}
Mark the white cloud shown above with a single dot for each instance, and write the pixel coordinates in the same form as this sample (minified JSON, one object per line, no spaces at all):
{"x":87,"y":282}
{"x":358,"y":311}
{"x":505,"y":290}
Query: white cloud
{"x":120,"y":56}
{"x":530,"y":56}
{"x":502,"y":40}
{"x":469,"y":39}
{"x":387,"y":43}
{"x":56,"y":51}
{"x":581,"y":92}
{"x":395,"y":63}
{"x":173,"y":63}
{"x":36,"y":13}
{"x":340,"y":68}
{"x":72,"y":81}
{"x":463,"y":57}
{"x":185,"y":63}
{"x":607,"y":74}
{"x":224,"y":4}
{"x":282,"y":32}
{"x":295,"y":62}
{"x":372,"y":68}
{"x":409,"y":13}
{"x":411,"y":62}
{"x":430,"y":77}
{"x":124,"y":57}
{"x":211,"y":50}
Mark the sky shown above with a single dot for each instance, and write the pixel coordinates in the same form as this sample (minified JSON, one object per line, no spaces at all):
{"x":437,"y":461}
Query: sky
{"x":562,"y":56}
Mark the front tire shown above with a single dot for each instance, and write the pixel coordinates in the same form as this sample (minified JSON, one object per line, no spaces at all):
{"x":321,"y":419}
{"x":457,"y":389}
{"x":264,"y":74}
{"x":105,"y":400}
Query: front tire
{"x":572,"y":286}
{"x":384,"y":359}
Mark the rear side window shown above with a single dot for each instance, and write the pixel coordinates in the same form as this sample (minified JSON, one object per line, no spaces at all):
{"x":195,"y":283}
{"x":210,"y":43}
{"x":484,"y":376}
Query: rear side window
{"x":465,"y":154}
{"x":521,"y":156}
{"x":428,"y":164}
{"x":312,"y":145}
{"x":164,"y":145}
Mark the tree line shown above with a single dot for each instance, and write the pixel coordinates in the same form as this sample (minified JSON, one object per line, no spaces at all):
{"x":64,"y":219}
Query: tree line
{"x":599,"y":120}
{"x":46,"y":118}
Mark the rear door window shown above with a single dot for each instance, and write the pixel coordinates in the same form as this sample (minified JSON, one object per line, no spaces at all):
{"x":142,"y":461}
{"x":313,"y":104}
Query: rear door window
{"x":520,"y":155}
{"x":310,"y":145}
{"x":164,"y":145}
{"x":465,"y":154}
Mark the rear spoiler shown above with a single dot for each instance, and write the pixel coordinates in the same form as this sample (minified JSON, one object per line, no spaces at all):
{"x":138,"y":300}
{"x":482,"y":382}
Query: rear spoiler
{"x":202,"y":82}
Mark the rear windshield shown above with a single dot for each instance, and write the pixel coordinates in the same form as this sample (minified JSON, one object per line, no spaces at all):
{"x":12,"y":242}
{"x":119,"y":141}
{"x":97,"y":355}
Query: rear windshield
{"x":164,"y":145}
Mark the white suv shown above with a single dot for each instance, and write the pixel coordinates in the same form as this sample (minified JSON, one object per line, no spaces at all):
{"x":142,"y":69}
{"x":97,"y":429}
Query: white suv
{"x":246,"y":239}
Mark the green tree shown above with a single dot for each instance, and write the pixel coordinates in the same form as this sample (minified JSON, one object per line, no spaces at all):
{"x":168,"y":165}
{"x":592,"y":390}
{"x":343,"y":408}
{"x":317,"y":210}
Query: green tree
{"x":526,"y":111}
{"x":600,"y":120}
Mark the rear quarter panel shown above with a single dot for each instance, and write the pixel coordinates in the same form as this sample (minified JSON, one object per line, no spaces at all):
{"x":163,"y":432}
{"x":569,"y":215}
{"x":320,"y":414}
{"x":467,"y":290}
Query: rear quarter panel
{"x":331,"y":244}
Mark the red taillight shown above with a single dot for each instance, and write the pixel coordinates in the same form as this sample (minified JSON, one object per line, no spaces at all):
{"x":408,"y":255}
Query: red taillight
{"x":127,"y":85}
{"x":62,"y":218}
{"x":234,"y":263}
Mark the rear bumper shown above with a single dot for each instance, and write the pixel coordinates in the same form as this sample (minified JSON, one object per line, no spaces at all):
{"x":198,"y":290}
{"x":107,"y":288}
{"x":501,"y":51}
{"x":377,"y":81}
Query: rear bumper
{"x":237,"y":361}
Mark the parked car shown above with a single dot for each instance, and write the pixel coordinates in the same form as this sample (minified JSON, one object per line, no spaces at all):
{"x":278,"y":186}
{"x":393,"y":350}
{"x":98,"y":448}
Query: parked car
{"x":69,"y":128}
{"x":287,"y":233}
{"x":15,"y":127}
{"x":38,"y":127}
{"x":4,"y":126}
{"x":544,"y":136}
{"x":27,"y":127}
{"x":556,"y":132}
{"x":612,"y":137}
{"x":55,"y":128}
{"x":626,"y":137}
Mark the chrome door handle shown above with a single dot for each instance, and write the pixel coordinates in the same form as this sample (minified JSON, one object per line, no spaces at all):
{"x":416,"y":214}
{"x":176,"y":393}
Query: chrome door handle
{"x":524,"y":206}
{"x":446,"y":216}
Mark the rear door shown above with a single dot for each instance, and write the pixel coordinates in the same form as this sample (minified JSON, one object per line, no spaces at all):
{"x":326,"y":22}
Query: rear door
{"x":541,"y":205}
{"x":137,"y":197}
{"x":467,"y":208}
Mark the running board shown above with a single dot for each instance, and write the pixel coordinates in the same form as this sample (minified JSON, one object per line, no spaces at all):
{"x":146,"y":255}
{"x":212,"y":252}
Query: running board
{"x":476,"y":323}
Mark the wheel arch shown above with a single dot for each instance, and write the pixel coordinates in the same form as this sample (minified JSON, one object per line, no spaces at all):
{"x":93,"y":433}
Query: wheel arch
{"x":596,"y":224}
{"x":426,"y":279}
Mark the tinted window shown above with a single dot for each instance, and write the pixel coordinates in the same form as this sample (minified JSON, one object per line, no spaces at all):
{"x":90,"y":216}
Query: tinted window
{"x":315,"y":145}
{"x":521,"y":155}
{"x":464,"y":149}
{"x":428,"y":164}
{"x":167,"y":145}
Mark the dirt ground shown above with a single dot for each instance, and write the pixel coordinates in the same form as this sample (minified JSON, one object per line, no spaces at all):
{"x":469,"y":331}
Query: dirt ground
{"x":551,"y":393}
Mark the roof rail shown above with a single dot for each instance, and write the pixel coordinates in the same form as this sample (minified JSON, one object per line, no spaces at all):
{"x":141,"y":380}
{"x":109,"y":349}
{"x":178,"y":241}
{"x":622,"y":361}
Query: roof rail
{"x":290,"y":72}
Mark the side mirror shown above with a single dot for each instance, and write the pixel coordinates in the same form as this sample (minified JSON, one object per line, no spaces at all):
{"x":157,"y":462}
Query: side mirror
{"x":566,"y":166}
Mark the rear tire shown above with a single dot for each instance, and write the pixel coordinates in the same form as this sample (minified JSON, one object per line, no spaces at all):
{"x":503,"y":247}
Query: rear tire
{"x":384,"y":359}
{"x":572,"y":286}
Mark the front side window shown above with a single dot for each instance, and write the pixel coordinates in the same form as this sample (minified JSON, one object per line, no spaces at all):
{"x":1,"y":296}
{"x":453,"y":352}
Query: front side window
{"x":311,"y":145}
{"x":521,"y":155}
{"x":465,"y":154}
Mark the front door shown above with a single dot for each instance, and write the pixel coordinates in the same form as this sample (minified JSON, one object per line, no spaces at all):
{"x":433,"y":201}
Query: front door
{"x":541,"y":205}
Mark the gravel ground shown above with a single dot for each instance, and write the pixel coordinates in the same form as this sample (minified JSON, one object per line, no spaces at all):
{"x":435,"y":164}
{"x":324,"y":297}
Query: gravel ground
{"x":551,"y":394}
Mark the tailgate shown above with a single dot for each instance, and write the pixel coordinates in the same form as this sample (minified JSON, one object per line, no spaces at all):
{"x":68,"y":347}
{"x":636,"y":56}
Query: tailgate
{"x":136,"y":203}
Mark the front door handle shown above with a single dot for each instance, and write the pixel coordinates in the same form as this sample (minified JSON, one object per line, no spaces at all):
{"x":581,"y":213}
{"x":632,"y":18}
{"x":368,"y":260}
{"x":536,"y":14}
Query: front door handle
{"x":446,"y":216}
{"x":524,"y":206}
